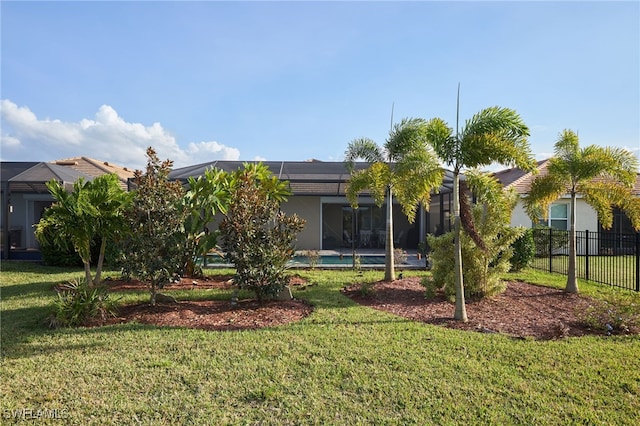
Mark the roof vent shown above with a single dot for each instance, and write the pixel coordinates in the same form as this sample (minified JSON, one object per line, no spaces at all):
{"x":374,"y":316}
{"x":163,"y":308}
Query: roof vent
{"x":66,"y":163}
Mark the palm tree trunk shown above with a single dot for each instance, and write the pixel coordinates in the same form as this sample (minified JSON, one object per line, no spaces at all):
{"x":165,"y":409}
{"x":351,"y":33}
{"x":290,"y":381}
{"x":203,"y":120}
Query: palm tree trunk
{"x":103,"y":248}
{"x":389,"y":264}
{"x":461,"y":309}
{"x":572,"y":279}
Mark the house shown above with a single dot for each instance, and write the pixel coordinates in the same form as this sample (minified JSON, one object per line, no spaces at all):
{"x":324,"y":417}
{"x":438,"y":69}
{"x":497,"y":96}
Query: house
{"x":318,"y":195}
{"x":24,"y":197}
{"x":559,"y":211}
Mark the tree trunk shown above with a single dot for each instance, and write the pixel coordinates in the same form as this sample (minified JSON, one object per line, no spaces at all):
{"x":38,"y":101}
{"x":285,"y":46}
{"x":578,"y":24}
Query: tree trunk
{"x":389,"y":264}
{"x":461,"y":309}
{"x":154,"y":291}
{"x":87,"y":273}
{"x":103,"y":248}
{"x":572,"y":279}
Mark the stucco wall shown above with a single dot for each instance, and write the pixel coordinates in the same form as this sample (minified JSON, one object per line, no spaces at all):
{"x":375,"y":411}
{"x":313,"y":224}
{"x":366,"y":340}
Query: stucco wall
{"x":586,"y":220}
{"x":586,"y":217}
{"x":307,"y":208}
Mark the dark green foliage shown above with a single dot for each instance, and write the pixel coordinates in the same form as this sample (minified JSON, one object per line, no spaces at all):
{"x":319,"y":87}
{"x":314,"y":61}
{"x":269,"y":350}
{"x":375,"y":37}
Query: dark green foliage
{"x":153,"y":249}
{"x":78,"y":302}
{"x":257,"y":237}
{"x":92,"y":212}
{"x":207,"y":195}
{"x":524,"y":251}
{"x":541,"y":236}
{"x":483,"y":268}
{"x":54,"y":254}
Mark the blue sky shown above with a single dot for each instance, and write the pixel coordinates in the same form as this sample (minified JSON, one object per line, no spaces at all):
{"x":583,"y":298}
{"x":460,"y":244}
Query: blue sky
{"x":202,"y":81}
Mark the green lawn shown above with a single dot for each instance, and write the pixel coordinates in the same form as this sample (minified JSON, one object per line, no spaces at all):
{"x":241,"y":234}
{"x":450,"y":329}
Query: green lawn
{"x":345,"y":364}
{"x":619,"y":271}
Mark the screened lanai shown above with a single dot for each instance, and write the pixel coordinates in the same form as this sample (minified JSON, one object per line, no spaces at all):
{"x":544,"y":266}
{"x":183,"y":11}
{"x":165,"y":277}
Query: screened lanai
{"x":318,"y":196}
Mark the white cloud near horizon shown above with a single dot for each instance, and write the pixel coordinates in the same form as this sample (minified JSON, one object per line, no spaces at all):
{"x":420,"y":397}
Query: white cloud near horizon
{"x":25,"y":137}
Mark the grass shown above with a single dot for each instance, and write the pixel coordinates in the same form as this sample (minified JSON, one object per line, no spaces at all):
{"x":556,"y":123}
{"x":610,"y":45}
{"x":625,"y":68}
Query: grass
{"x":619,"y":271}
{"x":344,"y":364}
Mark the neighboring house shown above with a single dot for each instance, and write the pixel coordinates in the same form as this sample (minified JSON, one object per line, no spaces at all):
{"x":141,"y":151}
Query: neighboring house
{"x":24,"y":197}
{"x":559,"y":211}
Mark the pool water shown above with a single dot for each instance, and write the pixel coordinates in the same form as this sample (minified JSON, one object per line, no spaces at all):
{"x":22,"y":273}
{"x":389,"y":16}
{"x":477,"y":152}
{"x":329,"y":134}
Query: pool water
{"x":346,"y":260}
{"x":337,"y":260}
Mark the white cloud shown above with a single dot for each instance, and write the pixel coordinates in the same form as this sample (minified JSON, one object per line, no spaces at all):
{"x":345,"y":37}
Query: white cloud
{"x":108,"y":136}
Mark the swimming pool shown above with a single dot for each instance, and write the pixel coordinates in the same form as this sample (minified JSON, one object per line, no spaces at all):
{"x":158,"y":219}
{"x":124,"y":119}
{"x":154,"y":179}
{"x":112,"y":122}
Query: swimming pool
{"x":326,"y":260}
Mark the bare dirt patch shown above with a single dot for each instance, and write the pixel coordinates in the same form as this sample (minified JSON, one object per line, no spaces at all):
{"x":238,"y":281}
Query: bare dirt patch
{"x":523,"y":310}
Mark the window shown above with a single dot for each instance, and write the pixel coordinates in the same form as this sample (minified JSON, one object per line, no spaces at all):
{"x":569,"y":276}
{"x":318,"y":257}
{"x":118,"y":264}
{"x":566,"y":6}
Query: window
{"x":558,"y":217}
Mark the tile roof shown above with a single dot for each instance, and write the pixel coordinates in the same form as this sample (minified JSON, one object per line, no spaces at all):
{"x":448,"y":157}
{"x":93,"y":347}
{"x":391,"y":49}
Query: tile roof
{"x":93,"y":167}
{"x":521,"y":180}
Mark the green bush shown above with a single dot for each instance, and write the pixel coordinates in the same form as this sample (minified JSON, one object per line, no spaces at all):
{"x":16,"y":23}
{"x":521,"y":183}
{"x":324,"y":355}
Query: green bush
{"x":257,"y":237}
{"x":77,"y":303}
{"x":482,"y":269}
{"x":524,"y":251}
{"x":559,"y":240}
{"x":621,"y":317}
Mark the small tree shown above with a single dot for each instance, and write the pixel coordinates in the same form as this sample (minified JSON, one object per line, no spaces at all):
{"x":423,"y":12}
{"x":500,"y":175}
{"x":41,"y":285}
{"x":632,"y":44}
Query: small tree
{"x":256,"y":236}
{"x":154,"y":248}
{"x":207,"y":195}
{"x":92,"y":210}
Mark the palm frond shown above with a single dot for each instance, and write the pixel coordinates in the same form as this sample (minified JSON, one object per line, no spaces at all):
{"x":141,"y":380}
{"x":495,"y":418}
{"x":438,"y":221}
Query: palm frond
{"x":498,"y":135}
{"x":363,"y":149}
{"x":544,"y":191}
{"x":407,"y":136}
{"x":442,"y":140}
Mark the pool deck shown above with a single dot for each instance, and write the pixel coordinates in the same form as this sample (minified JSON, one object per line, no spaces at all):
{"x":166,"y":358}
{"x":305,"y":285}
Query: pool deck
{"x":412,"y":260}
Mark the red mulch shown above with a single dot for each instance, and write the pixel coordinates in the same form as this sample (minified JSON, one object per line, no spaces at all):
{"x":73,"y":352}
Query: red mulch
{"x":206,"y":314}
{"x":523,"y":310}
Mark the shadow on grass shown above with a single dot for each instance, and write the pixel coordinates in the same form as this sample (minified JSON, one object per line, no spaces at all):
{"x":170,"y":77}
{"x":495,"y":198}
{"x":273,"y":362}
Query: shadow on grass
{"x":41,"y":288}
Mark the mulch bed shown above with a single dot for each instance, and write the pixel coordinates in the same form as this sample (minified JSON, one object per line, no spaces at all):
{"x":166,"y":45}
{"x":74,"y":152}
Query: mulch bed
{"x":523,"y":310}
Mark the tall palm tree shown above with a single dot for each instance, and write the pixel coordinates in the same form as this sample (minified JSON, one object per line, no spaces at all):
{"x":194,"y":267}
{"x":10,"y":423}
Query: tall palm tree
{"x":604,"y":177}
{"x":405,"y":166}
{"x":494,"y":135}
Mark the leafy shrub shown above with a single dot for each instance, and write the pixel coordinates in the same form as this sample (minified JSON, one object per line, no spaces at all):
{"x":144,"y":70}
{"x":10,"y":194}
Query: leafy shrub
{"x":257,"y":237}
{"x":524,"y":251}
{"x":430,"y":287}
{"x":77,"y":302}
{"x":541,"y":235}
{"x":621,"y":317}
{"x":485,"y":241}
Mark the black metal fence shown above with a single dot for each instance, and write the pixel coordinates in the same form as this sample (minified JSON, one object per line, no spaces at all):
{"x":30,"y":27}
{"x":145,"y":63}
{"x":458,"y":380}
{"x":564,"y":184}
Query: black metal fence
{"x":603,"y":257}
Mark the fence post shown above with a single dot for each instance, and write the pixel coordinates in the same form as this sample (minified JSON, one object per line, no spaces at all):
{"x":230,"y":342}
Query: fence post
{"x":550,"y":250}
{"x":638,"y":261}
{"x":586,"y":254}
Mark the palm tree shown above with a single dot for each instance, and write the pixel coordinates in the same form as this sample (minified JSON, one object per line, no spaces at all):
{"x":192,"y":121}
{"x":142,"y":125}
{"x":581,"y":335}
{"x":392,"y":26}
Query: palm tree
{"x":494,"y":135}
{"x":404,"y":166}
{"x":604,"y":177}
{"x":92,"y":209}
